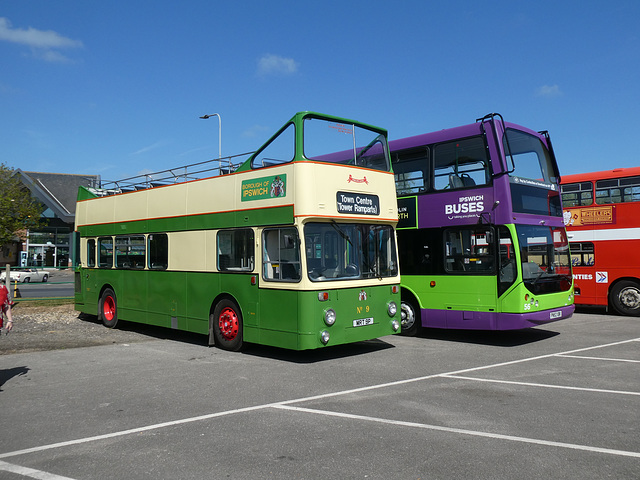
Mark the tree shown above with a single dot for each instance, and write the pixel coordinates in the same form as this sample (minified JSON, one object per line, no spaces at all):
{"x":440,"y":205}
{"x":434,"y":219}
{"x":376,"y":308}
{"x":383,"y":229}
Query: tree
{"x":19,"y":211}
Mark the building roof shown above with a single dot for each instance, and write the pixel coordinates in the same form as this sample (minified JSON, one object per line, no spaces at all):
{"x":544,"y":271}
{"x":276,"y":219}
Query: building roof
{"x":58,"y":191}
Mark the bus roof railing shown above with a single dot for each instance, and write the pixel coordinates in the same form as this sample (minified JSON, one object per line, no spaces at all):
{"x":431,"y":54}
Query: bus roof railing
{"x":185,"y":173}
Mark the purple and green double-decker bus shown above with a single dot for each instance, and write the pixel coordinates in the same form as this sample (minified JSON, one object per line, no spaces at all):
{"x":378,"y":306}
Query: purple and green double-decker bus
{"x":481,"y":239}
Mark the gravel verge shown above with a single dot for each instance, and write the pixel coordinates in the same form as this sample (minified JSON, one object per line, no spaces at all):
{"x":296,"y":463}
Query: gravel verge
{"x":37,"y":328}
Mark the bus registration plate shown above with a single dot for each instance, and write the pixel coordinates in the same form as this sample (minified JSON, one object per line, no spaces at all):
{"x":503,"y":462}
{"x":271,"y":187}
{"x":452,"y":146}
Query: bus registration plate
{"x":557,"y":314}
{"x":363,"y":321}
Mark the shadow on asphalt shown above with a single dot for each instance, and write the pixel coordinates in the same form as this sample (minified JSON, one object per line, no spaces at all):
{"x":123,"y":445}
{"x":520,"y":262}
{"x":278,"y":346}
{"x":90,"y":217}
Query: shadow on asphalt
{"x":510,"y":338}
{"x":505,"y":338}
{"x":9,"y":373}
{"x":318,"y":355}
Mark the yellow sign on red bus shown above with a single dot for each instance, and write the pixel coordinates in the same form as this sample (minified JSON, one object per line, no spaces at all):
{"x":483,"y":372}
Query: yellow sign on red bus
{"x":577,"y":217}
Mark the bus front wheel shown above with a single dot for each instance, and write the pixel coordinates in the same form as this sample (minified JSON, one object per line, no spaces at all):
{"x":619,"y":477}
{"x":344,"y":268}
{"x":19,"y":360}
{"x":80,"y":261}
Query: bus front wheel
{"x":226,"y":322}
{"x":108,"y":309}
{"x":410,"y":322}
{"x":625,"y":297}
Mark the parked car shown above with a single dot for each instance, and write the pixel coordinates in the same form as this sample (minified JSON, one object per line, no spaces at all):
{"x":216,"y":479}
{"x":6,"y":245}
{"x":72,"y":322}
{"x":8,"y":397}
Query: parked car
{"x":26,"y":275}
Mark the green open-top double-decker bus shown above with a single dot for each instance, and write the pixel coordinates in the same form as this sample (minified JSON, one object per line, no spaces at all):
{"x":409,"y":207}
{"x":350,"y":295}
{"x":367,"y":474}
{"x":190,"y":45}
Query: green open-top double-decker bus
{"x":295,"y":248}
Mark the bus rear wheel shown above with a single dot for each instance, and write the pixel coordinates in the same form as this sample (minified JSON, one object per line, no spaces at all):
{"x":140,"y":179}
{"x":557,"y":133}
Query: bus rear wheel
{"x":410,"y":322}
{"x":226,"y":322}
{"x":625,"y":297}
{"x":108,"y":308}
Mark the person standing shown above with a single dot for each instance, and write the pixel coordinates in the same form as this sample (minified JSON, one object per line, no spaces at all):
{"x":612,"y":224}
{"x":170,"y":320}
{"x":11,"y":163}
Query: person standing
{"x":5,"y":308}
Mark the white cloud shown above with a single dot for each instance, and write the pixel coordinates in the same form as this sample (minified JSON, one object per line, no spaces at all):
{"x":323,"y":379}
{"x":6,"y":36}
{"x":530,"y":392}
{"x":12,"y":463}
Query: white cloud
{"x":148,"y":148}
{"x":256,"y":131}
{"x":270,"y":64}
{"x":548,"y":91}
{"x":43,"y":43}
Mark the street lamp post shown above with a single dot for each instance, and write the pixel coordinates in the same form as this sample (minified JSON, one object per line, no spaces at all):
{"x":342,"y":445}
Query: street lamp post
{"x":219,"y":131}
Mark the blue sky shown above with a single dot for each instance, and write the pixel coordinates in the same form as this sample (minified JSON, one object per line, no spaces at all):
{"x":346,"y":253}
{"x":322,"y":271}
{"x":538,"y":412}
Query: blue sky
{"x":116,"y":88}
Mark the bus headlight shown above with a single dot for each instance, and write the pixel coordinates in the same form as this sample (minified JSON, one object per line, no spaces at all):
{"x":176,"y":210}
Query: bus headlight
{"x":330,"y":317}
{"x":395,"y":325}
{"x":324,"y":337}
{"x":392,"y":309}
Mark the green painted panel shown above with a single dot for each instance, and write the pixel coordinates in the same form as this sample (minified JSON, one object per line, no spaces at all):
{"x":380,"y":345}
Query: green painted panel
{"x":454,"y":292}
{"x":243,"y":218}
{"x":283,"y":318}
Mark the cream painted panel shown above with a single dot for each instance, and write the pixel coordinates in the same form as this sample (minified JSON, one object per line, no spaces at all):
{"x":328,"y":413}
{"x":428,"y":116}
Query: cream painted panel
{"x":188,"y":251}
{"x":131,"y":206}
{"x":211,"y":252}
{"x":318,"y":184}
{"x":165,"y":202}
{"x":83,"y":251}
{"x":96,"y":211}
{"x":211,"y":195}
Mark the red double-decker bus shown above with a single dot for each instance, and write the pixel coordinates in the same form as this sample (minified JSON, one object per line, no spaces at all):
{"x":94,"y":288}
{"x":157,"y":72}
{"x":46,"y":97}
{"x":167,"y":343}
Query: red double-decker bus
{"x":602,"y":217}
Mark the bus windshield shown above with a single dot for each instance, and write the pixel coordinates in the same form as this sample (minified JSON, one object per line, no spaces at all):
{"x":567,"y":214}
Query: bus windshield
{"x":545,"y":256}
{"x":345,"y":144}
{"x":339,"y":251}
{"x":533,"y":175}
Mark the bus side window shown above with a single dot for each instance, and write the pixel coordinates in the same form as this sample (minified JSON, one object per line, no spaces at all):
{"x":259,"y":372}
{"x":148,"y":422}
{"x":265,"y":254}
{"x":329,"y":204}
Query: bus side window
{"x":410,"y":171}
{"x":281,"y":254}
{"x":507,"y":271}
{"x":158,"y":248}
{"x":105,"y":249}
{"x":235,"y":250}
{"x":91,"y":253}
{"x":577,"y":194}
{"x":469,"y":250}
{"x":280,"y":150}
{"x":461,"y":164}
{"x":582,"y":254}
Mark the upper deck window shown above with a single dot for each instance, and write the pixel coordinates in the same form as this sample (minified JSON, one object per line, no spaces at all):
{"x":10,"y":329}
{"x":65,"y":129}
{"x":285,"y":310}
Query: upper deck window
{"x":345,"y":144}
{"x":531,"y":159}
{"x":618,"y":190}
{"x":577,"y":194}
{"x":410,"y":170}
{"x":533,"y":175}
{"x":461,"y":163}
{"x":281,"y":149}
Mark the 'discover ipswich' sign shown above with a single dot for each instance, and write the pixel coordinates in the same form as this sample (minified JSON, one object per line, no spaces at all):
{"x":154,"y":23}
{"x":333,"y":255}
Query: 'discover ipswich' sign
{"x":357,"y":203}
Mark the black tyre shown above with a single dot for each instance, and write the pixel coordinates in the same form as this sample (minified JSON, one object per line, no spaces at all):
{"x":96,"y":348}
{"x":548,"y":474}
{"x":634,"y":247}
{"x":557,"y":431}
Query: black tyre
{"x":410,"y":323}
{"x":625,"y":298}
{"x":226,"y":324}
{"x":108,"y":308}
{"x":45,"y":278}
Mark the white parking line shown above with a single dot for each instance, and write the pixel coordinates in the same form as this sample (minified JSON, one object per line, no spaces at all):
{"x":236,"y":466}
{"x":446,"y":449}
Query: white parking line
{"x":584,"y":357}
{"x":297,"y":400}
{"x":543,"y":385}
{"x":30,"y":472}
{"x":474,"y":433}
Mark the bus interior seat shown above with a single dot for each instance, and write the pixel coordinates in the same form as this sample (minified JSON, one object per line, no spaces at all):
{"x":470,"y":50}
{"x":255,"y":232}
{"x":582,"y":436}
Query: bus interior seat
{"x":289,"y":271}
{"x":223,"y":262}
{"x":455,"y":181}
{"x":467,"y":181}
{"x":460,"y":181}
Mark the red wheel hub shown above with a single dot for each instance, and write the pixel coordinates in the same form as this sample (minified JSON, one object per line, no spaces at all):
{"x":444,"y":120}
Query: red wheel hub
{"x":109,"y":308}
{"x":228,"y":322}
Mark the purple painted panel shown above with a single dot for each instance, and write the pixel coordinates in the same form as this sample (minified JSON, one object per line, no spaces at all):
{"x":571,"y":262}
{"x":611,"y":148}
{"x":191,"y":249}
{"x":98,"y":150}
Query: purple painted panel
{"x":460,"y":207}
{"x":465,"y":320}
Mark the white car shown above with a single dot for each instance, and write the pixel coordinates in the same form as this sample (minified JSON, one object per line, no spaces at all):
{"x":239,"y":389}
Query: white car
{"x":26,"y":275}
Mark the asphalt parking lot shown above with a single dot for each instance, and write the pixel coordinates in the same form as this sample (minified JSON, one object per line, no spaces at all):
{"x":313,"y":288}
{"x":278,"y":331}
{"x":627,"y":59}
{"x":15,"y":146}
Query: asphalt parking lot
{"x":560,"y":401}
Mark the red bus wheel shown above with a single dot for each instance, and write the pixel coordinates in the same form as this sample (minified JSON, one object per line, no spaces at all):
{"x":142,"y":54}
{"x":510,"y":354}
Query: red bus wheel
{"x":226,"y":322}
{"x":108,"y":308}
